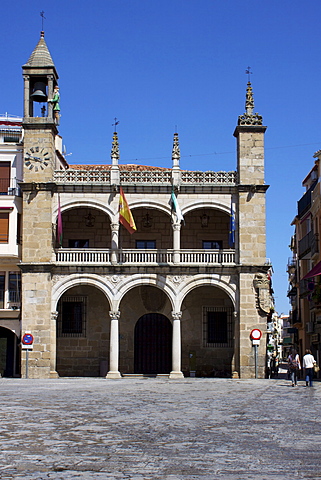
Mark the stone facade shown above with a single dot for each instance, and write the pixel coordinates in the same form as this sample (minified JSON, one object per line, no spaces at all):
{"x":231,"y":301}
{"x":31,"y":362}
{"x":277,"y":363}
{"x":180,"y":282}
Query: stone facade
{"x":173,"y":298}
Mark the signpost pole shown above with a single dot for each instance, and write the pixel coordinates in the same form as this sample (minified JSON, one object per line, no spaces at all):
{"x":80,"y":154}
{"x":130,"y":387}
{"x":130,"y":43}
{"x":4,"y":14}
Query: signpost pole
{"x":27,"y":359}
{"x":256,"y":360}
{"x":27,"y":344}
{"x":256,"y":336}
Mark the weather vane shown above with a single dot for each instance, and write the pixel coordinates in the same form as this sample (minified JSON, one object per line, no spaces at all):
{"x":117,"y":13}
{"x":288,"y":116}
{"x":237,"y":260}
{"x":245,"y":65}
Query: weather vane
{"x":42,"y":15}
{"x":248,"y":72}
{"x":116,"y":123}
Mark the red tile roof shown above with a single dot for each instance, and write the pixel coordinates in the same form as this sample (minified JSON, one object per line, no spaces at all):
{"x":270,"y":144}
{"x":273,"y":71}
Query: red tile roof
{"x":131,"y":166}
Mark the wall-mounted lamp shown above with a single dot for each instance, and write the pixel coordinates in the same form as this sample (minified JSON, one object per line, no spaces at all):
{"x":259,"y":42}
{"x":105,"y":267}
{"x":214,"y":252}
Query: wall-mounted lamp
{"x":90,"y":220}
{"x":204,"y":220}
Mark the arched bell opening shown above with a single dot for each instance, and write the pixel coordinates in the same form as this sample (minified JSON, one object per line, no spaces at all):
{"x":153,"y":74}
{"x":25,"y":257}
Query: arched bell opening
{"x":9,"y":353}
{"x":83,"y":331}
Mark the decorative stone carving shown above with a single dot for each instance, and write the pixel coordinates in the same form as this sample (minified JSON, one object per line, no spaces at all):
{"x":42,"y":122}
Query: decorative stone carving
{"x":261,"y":284}
{"x":115,"y":149}
{"x":249,"y":118}
{"x":153,"y":298}
{"x":177,"y":279}
{"x":176,"y":315}
{"x":114,"y":315}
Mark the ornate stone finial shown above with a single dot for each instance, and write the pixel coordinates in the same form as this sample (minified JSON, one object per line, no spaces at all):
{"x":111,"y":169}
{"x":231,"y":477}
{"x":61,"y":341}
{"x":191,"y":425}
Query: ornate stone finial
{"x":249,"y":101}
{"x":249,"y":118}
{"x":115,"y":149}
{"x":176,"y":154}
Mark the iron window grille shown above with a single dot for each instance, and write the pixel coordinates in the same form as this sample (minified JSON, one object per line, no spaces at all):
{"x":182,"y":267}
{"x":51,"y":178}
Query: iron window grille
{"x":217,"y":327}
{"x":72,"y":313}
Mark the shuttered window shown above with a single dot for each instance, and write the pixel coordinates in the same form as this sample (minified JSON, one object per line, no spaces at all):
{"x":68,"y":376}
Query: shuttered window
{"x":4,"y":177}
{"x":4,"y":227}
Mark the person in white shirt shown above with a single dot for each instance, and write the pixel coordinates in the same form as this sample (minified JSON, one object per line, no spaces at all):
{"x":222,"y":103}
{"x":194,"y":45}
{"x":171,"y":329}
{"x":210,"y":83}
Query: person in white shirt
{"x":308,"y":364}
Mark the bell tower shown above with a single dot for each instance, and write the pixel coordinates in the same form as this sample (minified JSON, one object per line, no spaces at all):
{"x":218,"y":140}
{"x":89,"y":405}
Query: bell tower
{"x":251,"y":236}
{"x":39,"y":123}
{"x":40,"y":130}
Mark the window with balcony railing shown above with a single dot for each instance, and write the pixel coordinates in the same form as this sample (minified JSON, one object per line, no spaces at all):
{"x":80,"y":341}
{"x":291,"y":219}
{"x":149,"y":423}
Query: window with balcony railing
{"x":305,"y":201}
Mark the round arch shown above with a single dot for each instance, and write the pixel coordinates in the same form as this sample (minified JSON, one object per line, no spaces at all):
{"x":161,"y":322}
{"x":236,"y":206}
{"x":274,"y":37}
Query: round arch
{"x":10,"y":353}
{"x":214,"y":280}
{"x":74,"y":280}
{"x":206,"y":204}
{"x":152,"y":280}
{"x":72,"y":204}
{"x":152,"y":205}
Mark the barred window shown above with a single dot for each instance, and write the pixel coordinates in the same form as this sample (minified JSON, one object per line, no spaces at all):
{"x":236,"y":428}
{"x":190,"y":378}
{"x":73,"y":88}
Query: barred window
{"x":217,"y":327}
{"x":72,"y":317}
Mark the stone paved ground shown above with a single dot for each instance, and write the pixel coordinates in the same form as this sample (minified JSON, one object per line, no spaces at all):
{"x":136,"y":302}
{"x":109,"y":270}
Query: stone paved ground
{"x":147,"y":428}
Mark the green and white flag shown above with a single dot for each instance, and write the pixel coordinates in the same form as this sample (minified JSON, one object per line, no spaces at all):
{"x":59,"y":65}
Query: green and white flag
{"x":175,"y":207}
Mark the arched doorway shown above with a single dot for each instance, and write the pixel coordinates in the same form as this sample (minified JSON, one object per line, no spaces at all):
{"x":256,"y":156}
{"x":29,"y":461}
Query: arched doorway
{"x":8,"y":353}
{"x":153,"y":344}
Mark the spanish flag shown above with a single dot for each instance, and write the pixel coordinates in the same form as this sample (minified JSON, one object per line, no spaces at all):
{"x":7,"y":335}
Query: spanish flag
{"x":125,"y":215}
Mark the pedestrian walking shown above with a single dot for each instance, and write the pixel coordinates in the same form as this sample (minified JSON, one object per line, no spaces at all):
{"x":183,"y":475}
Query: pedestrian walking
{"x":294,"y":366}
{"x":308,"y":364}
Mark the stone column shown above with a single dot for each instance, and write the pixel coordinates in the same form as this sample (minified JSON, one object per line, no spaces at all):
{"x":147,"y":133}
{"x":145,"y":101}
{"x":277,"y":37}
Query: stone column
{"x":114,"y":346}
{"x":26,"y":96}
{"x":176,"y":346}
{"x":176,"y":242}
{"x":114,"y":242}
{"x":53,"y":345}
{"x":50,"y":95}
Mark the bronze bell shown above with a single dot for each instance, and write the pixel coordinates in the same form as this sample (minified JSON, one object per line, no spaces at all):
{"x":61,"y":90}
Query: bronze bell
{"x":39,"y":92}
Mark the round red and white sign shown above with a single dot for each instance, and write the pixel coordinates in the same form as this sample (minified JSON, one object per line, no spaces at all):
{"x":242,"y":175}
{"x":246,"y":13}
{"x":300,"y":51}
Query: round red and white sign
{"x":256,"y":334}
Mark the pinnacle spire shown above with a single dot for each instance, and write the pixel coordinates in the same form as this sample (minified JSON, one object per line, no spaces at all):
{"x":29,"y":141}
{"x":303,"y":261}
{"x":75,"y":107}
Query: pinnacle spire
{"x":176,"y":154}
{"x":115,"y":149}
{"x":249,"y":118}
{"x":40,"y":57}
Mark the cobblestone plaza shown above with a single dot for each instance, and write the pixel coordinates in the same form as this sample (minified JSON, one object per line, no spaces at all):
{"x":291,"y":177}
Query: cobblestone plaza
{"x":156,"y":428}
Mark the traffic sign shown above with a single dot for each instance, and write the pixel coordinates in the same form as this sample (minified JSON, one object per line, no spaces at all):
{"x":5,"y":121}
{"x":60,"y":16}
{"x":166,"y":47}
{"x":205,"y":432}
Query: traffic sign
{"x":256,"y":334}
{"x":27,"y":339}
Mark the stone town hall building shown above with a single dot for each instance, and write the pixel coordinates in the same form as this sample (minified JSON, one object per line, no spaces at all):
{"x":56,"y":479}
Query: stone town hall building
{"x":175,"y":297}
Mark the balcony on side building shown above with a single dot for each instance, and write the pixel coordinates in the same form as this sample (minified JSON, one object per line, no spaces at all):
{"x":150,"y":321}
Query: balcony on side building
{"x":304,"y":203}
{"x":308,"y":246}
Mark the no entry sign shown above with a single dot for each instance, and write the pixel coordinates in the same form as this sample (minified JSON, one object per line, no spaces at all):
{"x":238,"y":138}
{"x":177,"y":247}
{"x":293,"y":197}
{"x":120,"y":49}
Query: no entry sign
{"x":256,"y":334}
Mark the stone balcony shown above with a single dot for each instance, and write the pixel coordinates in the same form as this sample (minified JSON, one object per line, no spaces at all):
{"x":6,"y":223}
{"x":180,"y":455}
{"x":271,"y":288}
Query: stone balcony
{"x":96,"y":256}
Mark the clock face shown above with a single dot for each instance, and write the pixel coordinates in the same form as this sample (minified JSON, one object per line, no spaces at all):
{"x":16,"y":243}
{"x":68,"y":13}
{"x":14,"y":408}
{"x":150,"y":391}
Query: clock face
{"x":37,"y":158}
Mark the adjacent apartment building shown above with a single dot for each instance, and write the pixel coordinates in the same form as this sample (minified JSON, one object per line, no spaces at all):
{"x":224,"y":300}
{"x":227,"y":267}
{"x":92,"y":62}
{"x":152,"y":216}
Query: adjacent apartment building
{"x":10,"y":243}
{"x":177,"y":293}
{"x":304,"y":267}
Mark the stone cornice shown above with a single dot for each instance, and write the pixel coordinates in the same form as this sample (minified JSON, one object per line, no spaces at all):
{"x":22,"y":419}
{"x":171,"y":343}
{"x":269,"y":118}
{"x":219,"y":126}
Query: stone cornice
{"x":253,"y":188}
{"x":249,"y":128}
{"x":27,"y":267}
{"x":37,"y":186}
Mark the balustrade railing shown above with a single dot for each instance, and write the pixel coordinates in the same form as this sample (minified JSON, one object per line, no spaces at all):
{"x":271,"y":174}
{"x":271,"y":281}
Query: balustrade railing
{"x":207,"y":257}
{"x":143,"y":177}
{"x":144,"y":257}
{"x":84,"y":255}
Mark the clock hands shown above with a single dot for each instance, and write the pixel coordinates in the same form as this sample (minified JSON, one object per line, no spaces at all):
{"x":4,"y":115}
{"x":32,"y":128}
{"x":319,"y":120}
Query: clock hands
{"x":38,"y":159}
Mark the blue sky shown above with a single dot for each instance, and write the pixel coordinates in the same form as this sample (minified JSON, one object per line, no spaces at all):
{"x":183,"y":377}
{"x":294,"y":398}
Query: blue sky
{"x":158,"y":64}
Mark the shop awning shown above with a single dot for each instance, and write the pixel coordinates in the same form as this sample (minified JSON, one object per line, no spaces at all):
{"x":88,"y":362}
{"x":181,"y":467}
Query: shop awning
{"x":314,"y":272}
